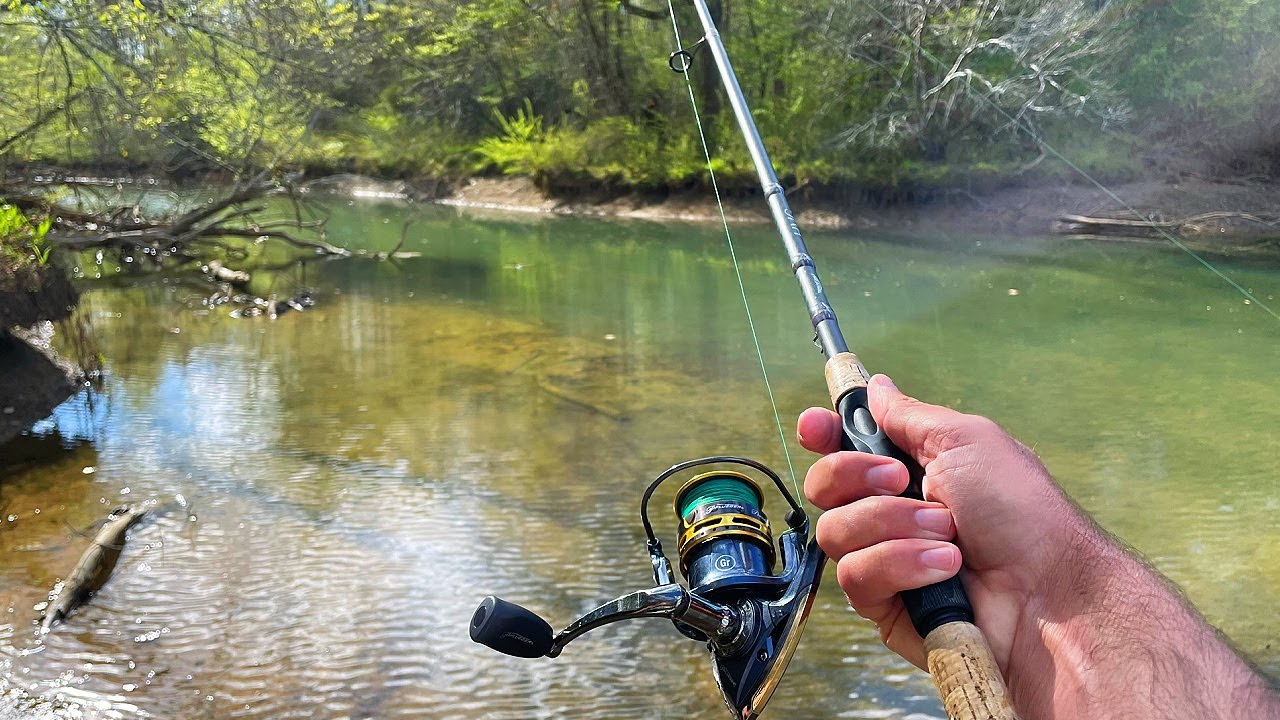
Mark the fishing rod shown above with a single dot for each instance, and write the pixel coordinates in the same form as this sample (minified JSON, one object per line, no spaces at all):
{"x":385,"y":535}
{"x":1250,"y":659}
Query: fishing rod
{"x":750,"y":616}
{"x":959,"y":658}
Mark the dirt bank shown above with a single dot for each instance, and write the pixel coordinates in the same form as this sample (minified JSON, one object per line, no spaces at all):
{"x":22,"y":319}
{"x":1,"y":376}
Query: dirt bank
{"x":31,"y":294}
{"x":1011,"y":211}
{"x":33,"y":379}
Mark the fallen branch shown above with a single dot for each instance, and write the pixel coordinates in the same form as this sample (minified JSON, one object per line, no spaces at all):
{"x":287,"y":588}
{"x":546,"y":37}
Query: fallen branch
{"x":222,"y":273}
{"x":230,"y":216}
{"x":94,"y":569}
{"x":578,"y":400}
{"x":319,"y":247}
{"x":202,"y":242}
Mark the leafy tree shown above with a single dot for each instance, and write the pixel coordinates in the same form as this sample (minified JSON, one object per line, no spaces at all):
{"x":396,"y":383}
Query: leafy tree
{"x":1203,"y":78}
{"x":854,"y":92}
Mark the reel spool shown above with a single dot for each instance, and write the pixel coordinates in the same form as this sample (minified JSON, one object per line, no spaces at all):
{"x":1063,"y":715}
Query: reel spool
{"x":750,"y":617}
{"x":724,"y":540}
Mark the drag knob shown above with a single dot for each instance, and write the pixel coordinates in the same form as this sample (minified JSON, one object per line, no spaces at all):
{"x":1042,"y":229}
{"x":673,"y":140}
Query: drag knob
{"x":510,"y":629}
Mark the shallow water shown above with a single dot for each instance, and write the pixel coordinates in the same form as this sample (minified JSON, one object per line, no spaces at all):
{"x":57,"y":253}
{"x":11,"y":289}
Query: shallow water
{"x":336,"y":489}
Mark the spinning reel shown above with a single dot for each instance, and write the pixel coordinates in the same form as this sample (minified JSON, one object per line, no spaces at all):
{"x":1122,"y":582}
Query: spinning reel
{"x":750,"y":618}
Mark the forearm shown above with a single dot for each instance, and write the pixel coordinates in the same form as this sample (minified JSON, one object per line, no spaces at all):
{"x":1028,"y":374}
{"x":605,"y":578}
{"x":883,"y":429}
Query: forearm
{"x":1122,"y":643}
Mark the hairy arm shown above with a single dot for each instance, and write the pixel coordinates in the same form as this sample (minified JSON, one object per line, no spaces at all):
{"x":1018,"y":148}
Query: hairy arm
{"x":1112,"y":638}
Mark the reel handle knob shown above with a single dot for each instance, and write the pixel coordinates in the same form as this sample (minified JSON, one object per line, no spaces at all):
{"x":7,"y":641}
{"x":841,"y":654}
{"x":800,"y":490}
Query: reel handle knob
{"x":510,"y":629}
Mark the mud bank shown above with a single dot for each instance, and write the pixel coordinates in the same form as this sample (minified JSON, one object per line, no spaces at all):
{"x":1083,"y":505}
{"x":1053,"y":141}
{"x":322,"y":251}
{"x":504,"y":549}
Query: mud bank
{"x":1011,"y":211}
{"x":33,"y":379}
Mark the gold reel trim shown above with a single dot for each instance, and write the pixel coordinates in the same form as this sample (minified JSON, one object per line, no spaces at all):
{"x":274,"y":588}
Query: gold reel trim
{"x":722,"y":526}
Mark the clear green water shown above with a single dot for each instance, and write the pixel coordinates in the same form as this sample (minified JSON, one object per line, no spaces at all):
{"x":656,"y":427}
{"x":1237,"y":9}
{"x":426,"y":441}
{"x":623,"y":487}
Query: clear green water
{"x":483,"y":419}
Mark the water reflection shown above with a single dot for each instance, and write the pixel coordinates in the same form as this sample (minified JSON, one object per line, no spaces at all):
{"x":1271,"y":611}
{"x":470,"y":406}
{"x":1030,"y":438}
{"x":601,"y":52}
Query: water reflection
{"x":482,"y":419}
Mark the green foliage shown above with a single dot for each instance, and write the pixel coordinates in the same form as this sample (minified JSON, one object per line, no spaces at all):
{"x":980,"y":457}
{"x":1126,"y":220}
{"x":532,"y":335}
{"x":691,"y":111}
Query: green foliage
{"x":206,"y":84}
{"x":611,"y":152}
{"x":577,"y":94}
{"x":1204,"y":74}
{"x":23,"y":242}
{"x":521,"y":147}
{"x":385,"y":141}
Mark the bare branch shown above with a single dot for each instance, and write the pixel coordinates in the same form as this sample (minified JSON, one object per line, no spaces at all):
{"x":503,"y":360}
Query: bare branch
{"x":643,"y":12}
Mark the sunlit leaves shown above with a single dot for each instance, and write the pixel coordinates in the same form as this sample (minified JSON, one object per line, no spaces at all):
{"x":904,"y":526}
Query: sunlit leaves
{"x":22,"y":240}
{"x":232,"y":84}
{"x":878,"y":90}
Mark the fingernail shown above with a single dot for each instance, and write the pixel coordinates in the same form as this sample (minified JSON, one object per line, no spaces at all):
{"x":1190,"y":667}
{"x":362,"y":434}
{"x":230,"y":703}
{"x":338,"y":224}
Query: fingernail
{"x":938,"y":558}
{"x":934,"y":520}
{"x":887,"y":477}
{"x":884,"y":381}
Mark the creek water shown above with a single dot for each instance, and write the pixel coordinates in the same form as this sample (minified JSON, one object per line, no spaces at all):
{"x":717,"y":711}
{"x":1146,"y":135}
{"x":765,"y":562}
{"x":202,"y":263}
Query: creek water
{"x":336,"y":489}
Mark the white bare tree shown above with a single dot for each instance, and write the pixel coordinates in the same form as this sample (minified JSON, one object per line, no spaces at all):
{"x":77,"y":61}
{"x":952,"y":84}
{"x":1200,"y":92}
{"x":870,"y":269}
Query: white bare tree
{"x":956,"y":69}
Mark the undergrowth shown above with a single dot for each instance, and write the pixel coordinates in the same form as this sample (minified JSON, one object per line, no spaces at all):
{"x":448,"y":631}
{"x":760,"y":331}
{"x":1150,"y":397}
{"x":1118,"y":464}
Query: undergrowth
{"x":24,"y":242}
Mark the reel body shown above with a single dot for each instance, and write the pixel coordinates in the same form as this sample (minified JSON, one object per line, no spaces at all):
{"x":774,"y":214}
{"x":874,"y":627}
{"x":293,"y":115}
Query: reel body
{"x":750,"y":617}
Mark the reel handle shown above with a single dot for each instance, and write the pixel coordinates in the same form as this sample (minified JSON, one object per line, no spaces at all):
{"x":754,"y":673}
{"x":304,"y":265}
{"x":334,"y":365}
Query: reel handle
{"x":510,"y":629}
{"x":959,"y":659}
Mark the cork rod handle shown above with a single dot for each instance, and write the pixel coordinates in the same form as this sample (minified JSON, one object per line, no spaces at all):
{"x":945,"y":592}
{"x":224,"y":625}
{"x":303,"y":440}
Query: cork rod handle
{"x":966,"y":674}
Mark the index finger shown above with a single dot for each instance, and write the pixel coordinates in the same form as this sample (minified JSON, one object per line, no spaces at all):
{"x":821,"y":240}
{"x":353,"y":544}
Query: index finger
{"x":818,"y":430}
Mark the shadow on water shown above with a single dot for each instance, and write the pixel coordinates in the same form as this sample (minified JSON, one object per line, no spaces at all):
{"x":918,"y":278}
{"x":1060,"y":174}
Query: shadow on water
{"x":482,"y":420}
{"x":35,"y":449}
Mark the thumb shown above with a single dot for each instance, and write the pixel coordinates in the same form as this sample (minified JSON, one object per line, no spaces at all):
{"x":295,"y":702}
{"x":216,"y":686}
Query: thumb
{"x":918,"y":428}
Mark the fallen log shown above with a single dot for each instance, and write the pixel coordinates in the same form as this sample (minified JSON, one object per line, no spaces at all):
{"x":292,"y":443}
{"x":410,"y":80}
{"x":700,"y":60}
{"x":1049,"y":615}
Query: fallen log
{"x":1127,"y":227}
{"x":94,"y":569}
{"x":1085,"y":225}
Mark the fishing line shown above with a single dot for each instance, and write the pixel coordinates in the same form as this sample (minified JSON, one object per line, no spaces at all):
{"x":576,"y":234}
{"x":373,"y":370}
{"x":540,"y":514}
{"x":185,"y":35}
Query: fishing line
{"x":1045,"y":146}
{"x":733,"y":255}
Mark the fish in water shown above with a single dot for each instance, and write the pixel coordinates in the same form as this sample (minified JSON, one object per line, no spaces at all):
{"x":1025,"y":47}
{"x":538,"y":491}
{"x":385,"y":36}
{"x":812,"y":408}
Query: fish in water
{"x":94,"y":568}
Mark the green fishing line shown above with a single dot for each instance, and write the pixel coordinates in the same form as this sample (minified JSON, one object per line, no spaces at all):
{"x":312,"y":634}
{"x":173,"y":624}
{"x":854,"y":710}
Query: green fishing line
{"x":718,"y":490}
{"x":733,"y":255}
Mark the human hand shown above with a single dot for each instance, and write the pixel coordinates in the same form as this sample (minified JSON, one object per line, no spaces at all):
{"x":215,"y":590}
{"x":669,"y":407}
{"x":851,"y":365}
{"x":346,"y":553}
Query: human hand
{"x":1013,"y":523}
{"x":1079,"y":627}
